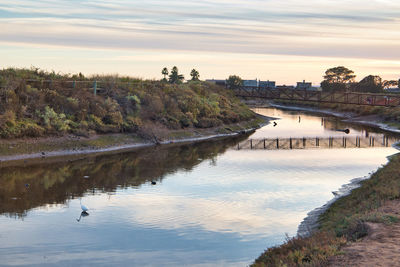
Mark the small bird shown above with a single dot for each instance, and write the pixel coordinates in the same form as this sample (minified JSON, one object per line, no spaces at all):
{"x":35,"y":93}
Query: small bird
{"x":83,"y":207}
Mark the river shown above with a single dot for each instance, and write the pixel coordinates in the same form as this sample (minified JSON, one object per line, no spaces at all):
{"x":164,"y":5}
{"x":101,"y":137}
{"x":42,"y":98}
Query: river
{"x":203,"y":204}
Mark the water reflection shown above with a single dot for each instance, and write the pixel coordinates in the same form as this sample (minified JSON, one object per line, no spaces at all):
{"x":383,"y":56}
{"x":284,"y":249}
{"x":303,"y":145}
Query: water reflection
{"x":311,"y":125}
{"x":83,"y":214}
{"x":25,"y":187}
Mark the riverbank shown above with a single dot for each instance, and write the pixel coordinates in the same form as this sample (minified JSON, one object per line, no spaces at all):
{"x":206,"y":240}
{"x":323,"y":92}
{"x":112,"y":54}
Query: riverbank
{"x":348,"y":225}
{"x":71,"y":145}
{"x":364,"y":214}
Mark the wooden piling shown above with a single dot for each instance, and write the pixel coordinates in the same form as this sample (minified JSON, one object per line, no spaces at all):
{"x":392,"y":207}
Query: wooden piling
{"x":95,"y":87}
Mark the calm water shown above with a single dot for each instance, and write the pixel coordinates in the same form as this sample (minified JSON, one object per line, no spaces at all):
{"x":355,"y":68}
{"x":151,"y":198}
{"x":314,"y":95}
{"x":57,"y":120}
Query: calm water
{"x":212,"y":205}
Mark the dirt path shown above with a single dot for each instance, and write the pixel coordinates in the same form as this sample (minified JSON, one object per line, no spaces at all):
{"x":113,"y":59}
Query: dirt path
{"x":381,"y":247}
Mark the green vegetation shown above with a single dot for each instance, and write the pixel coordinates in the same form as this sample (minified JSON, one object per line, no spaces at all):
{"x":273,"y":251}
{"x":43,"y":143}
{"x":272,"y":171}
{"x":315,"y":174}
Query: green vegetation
{"x":195,"y":75}
{"x":35,"y":103}
{"x":175,"y":77}
{"x":234,"y":82}
{"x":344,"y":221}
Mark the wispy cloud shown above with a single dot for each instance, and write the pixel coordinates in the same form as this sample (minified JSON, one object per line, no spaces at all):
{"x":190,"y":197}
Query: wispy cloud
{"x":317,"y":28}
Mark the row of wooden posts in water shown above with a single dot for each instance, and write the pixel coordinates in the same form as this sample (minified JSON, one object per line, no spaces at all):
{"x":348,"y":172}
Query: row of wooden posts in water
{"x":317,"y":142}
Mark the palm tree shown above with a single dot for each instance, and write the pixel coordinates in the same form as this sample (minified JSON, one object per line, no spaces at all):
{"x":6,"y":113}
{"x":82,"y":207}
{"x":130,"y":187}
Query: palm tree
{"x":165,"y":73}
{"x":175,"y":77}
{"x":195,"y":75}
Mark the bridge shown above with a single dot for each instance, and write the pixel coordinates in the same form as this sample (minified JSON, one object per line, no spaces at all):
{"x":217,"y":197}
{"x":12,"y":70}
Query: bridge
{"x":315,"y":143}
{"x":319,"y":96}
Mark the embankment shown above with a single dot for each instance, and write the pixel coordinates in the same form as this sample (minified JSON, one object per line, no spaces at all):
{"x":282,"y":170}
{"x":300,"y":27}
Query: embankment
{"x":30,"y":148}
{"x":51,"y":114}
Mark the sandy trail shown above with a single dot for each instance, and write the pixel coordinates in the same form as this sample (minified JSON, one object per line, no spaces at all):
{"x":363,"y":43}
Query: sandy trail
{"x":381,"y":247}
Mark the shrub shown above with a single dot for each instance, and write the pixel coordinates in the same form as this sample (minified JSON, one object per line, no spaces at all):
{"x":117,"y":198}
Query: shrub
{"x":122,"y":104}
{"x":53,"y":120}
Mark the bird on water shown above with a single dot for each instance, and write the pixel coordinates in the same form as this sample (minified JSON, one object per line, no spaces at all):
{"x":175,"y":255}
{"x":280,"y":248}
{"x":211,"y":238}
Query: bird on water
{"x":83,"y":207}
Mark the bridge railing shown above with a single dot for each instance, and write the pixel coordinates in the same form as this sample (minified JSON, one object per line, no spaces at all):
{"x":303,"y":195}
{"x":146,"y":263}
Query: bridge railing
{"x":97,"y":86}
{"x":320,"y":96}
{"x":317,"y":142}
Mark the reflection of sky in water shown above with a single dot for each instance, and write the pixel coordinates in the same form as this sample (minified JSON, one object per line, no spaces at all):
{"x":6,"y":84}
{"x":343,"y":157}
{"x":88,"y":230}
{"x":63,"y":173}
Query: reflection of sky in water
{"x":302,"y":125}
{"x":223,"y":212}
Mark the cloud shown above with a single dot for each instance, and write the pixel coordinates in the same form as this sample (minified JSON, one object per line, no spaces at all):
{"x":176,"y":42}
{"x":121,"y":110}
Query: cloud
{"x":278,"y":27}
{"x":322,"y":29}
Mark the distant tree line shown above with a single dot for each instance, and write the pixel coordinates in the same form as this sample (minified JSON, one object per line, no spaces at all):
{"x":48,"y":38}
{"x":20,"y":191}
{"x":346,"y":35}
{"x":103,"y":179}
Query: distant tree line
{"x":343,"y":79}
{"x":339,"y":79}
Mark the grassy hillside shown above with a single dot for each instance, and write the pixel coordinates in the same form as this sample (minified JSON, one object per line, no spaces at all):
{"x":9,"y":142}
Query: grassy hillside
{"x":122,"y":104}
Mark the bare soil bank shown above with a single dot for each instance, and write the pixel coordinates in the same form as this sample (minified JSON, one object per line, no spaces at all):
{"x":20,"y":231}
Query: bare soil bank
{"x":379,"y":248}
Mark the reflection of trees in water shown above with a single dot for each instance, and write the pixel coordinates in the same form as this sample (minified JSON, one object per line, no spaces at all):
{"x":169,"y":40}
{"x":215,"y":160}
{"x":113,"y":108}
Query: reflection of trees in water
{"x":25,"y":187}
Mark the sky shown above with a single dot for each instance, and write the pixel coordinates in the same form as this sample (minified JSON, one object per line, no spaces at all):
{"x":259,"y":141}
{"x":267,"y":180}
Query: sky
{"x":281,"y":40}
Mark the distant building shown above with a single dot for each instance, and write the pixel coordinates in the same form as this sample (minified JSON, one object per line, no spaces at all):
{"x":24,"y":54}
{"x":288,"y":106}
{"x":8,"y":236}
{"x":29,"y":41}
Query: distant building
{"x":304,"y":85}
{"x":393,"y":90}
{"x":250,"y":83}
{"x":217,"y":82}
{"x":284,"y":87}
{"x":266,"y":84}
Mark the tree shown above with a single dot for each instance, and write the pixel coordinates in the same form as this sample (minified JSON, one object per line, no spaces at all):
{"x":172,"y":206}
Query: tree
{"x":371,"y":84}
{"x":195,"y":75}
{"x":234,"y":82}
{"x":175,"y":77}
{"x":337,"y":79}
{"x":165,"y":73}
{"x":339,"y":75}
{"x":390,"y":83}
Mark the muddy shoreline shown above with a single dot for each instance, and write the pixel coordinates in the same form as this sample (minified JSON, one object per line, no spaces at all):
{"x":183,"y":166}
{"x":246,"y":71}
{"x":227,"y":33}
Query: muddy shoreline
{"x":310,"y":223}
{"x":209,"y":134}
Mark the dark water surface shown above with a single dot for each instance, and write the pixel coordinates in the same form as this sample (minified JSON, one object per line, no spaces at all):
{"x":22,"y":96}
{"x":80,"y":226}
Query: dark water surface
{"x":212,"y":205}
